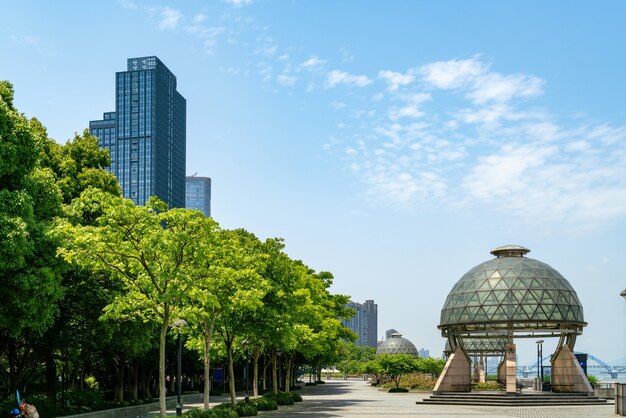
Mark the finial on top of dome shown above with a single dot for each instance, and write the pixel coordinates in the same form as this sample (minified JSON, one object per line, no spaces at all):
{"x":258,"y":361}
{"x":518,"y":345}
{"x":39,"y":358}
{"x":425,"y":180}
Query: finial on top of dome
{"x":510,"y":251}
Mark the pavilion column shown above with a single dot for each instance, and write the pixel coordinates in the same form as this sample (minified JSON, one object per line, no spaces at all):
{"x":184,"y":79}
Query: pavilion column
{"x":567,"y":375}
{"x":482,"y":376}
{"x":456,"y":375}
{"x":510,"y":369}
{"x":476,"y":375}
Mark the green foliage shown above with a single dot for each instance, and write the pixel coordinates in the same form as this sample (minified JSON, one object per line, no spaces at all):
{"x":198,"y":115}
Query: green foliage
{"x":246,"y":409}
{"x":265,"y":404}
{"x":486,"y":386}
{"x":593,"y":380}
{"x":217,"y":412}
{"x":395,"y":365}
{"x":295,"y":396}
{"x":281,"y":398}
{"x":29,"y":198}
{"x":398,"y":390}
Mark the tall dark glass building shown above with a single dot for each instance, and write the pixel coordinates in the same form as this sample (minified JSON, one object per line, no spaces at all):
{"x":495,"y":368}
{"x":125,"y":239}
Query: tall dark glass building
{"x":198,"y":195}
{"x":146,"y":135}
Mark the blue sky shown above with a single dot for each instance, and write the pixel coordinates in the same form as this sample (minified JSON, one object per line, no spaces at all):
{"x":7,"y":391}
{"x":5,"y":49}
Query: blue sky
{"x":392,"y":143}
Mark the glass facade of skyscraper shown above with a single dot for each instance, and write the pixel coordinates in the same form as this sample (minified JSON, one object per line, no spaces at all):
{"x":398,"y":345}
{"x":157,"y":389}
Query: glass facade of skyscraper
{"x":146,"y":135}
{"x":198,"y":194}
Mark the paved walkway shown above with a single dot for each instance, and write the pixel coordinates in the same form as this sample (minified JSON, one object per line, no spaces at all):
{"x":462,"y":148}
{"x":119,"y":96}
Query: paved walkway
{"x":358,"y":399}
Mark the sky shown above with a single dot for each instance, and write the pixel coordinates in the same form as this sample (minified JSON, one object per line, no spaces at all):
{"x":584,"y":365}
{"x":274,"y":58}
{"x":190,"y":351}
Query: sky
{"x":392,"y":143}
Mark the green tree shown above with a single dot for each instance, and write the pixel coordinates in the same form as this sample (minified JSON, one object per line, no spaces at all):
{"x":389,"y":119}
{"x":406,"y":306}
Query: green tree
{"x":396,"y":365}
{"x":152,"y":250}
{"x":29,"y":199}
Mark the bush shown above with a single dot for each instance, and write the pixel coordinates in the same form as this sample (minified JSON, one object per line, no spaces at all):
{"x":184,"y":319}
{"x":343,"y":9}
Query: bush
{"x":215,"y":392}
{"x":398,"y":390}
{"x":227,"y":409}
{"x":265,"y":404}
{"x":295,"y":396}
{"x":217,"y":412}
{"x":296,"y":387}
{"x":486,"y":386}
{"x":246,"y":409}
{"x":281,"y":398}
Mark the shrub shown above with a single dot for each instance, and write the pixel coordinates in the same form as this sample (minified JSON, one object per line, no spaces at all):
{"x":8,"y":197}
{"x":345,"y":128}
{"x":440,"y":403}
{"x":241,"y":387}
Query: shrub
{"x":215,"y":392}
{"x":281,"y":398}
{"x":398,"y":390}
{"x":246,"y":409}
{"x":225,"y":408}
{"x":295,"y":396}
{"x":265,"y":404}
{"x":486,"y":386}
{"x":217,"y":412}
{"x":296,"y":387}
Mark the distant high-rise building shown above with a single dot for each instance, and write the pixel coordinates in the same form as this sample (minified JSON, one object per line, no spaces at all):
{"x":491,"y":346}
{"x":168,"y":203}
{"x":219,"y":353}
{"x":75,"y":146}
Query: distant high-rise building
{"x":424,"y":353}
{"x":198,"y":194}
{"x":390,"y":332}
{"x":365,"y":323}
{"x":146,"y":135}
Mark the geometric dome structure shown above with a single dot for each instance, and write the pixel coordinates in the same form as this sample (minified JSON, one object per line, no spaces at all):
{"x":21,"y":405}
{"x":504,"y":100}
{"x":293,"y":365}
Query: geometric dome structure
{"x":511,"y":296}
{"x":397,"y":345}
{"x":514,"y":294}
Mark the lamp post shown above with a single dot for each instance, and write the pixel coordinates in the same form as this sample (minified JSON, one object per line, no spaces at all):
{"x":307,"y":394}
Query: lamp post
{"x":179,"y":324}
{"x":540,"y":359}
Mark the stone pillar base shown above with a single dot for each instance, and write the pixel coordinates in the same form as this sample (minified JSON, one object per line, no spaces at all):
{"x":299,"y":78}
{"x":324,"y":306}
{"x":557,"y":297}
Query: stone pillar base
{"x":456,"y":375}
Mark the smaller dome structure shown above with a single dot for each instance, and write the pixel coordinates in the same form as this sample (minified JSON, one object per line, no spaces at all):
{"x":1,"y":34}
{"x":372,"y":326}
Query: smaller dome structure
{"x":397,"y":345}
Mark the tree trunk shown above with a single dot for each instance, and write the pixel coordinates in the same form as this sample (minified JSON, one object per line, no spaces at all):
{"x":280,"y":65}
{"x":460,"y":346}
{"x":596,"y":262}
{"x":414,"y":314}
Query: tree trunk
{"x":162,"y":389}
{"x":51,"y":378}
{"x":118,"y":391}
{"x":208,"y":333}
{"x":265,"y":365}
{"x":231,"y":370}
{"x":134,"y":380}
{"x":288,"y":360}
{"x":274,"y":372}
{"x":255,"y":382}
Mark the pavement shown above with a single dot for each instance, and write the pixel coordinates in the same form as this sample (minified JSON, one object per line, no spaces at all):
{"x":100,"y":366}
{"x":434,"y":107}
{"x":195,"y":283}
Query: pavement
{"x":347,"y":398}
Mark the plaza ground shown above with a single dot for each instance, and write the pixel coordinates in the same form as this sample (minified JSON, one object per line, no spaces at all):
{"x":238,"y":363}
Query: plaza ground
{"x":340,"y":398}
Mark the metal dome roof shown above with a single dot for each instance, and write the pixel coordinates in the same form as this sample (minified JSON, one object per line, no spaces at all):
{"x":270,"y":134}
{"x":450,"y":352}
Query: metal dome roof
{"x":397,"y":345}
{"x":511,"y":292}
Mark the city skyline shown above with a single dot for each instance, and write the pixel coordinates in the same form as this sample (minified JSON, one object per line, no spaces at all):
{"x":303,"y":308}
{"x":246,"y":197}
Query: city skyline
{"x":394,"y":145}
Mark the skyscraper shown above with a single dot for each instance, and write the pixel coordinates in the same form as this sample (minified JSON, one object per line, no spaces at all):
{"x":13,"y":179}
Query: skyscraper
{"x":365,"y":323}
{"x":198,"y":194}
{"x":146,"y":135}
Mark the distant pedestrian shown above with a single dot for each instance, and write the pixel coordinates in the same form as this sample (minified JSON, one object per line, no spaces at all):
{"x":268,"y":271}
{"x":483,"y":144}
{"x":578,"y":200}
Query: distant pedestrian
{"x":28,"y":410}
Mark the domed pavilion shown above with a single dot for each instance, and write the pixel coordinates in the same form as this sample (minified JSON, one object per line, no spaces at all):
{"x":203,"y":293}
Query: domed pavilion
{"x":397,"y":345}
{"x":500,"y":300}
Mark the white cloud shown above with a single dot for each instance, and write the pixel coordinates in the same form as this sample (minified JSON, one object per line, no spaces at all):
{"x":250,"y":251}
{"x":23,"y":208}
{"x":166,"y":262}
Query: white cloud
{"x":404,"y":112}
{"x":335,"y":78}
{"x":499,"y":88}
{"x":239,"y":3}
{"x":395,"y":80}
{"x":128,"y":4}
{"x":169,"y":18}
{"x":286,"y":80}
{"x":452,"y":74}
{"x":199,"y":18}
{"x":312,"y":63}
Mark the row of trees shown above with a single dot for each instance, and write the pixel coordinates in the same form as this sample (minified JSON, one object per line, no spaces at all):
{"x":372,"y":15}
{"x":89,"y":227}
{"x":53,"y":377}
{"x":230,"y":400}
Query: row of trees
{"x":93,"y":282}
{"x":353,"y":359}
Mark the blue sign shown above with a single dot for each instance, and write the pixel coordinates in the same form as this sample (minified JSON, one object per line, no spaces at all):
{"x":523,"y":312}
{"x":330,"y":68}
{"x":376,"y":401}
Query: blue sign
{"x":218,"y":375}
